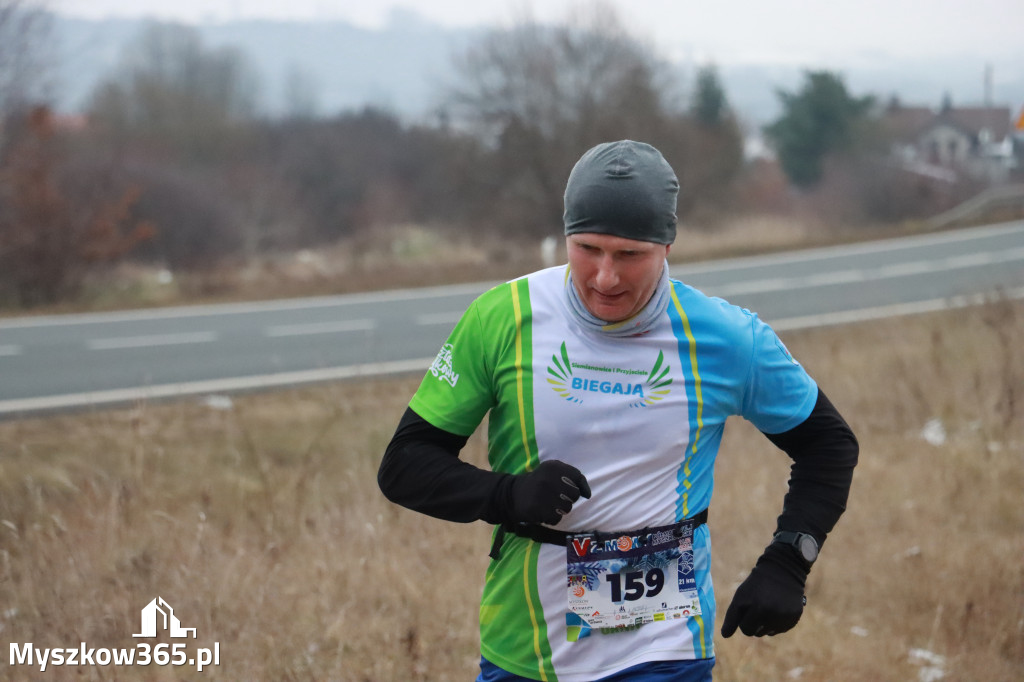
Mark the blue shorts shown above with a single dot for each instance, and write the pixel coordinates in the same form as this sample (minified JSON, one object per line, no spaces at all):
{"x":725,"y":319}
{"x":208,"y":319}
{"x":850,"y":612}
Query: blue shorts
{"x":656,"y":671}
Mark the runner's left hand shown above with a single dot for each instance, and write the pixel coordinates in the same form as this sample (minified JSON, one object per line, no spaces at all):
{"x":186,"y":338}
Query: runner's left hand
{"x":771,"y":600}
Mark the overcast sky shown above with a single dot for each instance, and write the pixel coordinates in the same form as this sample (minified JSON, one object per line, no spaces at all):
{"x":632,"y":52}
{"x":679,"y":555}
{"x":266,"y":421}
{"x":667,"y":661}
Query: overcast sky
{"x":820,"y":32}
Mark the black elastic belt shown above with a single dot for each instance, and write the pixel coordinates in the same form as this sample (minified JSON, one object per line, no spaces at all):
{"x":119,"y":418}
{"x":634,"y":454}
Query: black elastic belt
{"x":539,"y":533}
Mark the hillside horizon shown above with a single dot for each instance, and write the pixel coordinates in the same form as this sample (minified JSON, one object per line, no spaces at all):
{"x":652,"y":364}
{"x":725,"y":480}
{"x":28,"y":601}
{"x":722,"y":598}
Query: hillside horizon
{"x":405,"y":66}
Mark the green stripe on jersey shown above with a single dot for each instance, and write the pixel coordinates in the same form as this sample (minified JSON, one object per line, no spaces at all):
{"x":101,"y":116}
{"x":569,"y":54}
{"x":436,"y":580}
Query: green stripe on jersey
{"x":511,"y":617}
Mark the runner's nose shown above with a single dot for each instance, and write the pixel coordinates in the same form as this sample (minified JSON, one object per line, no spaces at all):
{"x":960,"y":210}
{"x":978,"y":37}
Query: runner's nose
{"x":607,"y":278}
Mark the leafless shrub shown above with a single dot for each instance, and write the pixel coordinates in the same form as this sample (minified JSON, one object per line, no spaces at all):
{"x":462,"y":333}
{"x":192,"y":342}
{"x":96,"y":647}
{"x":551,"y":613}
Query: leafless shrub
{"x":57,"y":221}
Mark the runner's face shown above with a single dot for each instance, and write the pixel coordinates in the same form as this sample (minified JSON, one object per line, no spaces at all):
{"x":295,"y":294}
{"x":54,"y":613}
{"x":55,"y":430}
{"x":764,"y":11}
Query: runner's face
{"x":614,"y":276}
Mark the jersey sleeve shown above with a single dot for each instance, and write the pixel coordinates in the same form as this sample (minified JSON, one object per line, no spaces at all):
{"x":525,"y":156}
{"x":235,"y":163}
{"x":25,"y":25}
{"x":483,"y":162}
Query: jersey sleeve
{"x":457,"y":390}
{"x":780,"y":394}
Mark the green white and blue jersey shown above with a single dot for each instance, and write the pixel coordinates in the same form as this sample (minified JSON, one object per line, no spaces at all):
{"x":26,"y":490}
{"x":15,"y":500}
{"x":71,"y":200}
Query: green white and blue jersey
{"x":641,"y":417}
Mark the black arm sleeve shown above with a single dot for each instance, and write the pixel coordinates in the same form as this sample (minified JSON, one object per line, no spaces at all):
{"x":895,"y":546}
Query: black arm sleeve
{"x":421,"y":470}
{"x":824,"y":452}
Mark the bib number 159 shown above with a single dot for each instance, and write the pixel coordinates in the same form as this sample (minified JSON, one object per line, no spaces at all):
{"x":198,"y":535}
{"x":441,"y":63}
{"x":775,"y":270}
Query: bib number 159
{"x":634,"y":585}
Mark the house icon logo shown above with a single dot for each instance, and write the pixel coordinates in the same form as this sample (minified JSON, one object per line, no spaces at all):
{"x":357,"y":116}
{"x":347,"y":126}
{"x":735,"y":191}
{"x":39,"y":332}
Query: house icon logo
{"x":170,"y":623}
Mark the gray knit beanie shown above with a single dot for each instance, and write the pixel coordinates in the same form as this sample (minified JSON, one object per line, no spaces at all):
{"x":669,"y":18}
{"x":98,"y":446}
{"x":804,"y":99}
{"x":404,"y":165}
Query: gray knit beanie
{"x":624,"y":188}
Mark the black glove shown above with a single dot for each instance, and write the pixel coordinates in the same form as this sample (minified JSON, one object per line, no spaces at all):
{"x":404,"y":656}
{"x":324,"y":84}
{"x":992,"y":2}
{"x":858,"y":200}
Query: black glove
{"x":547,"y":493}
{"x":771,"y":599}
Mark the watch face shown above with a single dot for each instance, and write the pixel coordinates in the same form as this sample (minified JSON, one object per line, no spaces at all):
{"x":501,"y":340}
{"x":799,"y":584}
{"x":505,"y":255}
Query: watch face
{"x":808,"y":548}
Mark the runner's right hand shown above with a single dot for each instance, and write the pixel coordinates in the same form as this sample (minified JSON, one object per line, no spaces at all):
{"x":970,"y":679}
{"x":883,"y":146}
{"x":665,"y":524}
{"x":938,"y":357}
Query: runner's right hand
{"x":547,"y":493}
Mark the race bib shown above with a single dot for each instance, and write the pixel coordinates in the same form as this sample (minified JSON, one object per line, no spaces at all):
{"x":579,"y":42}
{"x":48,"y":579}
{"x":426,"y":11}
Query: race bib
{"x":619,"y":581}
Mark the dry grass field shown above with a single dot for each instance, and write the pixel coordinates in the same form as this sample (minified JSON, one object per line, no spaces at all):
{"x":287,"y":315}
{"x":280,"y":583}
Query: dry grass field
{"x":259,"y":520}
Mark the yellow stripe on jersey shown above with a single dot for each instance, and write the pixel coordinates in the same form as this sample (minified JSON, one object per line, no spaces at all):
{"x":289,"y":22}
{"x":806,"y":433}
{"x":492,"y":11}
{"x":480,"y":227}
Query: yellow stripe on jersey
{"x":697,"y":391}
{"x":517,"y":308}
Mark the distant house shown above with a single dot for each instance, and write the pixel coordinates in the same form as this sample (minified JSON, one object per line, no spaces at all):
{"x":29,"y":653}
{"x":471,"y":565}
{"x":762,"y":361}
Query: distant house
{"x":978,"y":142}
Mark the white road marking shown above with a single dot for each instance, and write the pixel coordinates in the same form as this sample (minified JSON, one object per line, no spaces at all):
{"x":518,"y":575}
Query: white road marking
{"x":878,"y":246}
{"x":9,"y":350}
{"x":883,"y":311}
{"x":122,"y":342}
{"x":233,"y":384}
{"x":320,"y":328}
{"x":218,"y":309}
{"x":968,"y":260}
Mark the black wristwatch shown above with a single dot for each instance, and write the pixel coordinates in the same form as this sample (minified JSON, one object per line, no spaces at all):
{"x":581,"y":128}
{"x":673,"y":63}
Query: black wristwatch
{"x":805,"y":546}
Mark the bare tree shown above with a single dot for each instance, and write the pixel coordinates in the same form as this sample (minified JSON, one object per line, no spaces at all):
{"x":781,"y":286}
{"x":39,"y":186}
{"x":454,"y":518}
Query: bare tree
{"x":300,"y":94}
{"x":24,"y":32}
{"x":170,"y":87}
{"x":540,"y":95}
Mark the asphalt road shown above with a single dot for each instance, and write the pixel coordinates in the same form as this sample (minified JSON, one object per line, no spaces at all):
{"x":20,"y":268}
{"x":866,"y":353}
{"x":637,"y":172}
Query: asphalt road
{"x":72,"y":361}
